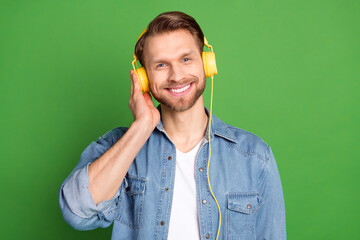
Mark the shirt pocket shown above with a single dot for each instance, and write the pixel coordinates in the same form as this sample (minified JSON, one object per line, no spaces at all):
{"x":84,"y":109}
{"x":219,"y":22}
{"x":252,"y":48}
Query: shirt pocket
{"x":131,"y":201}
{"x":241,"y":214}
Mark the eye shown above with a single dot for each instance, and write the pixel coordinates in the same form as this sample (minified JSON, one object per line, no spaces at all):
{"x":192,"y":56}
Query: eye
{"x":160,"y":65}
{"x":186,"y":59}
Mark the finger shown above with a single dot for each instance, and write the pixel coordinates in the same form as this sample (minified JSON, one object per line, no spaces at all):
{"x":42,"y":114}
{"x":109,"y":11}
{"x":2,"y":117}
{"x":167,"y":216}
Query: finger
{"x":137,"y":87}
{"x":132,"y":82}
{"x":148,"y":99}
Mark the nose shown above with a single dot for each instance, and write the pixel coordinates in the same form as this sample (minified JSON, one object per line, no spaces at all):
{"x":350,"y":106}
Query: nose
{"x":176,"y":73}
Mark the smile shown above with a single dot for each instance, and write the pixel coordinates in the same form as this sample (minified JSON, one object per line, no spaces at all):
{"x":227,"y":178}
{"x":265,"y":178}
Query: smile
{"x":179,"y":90}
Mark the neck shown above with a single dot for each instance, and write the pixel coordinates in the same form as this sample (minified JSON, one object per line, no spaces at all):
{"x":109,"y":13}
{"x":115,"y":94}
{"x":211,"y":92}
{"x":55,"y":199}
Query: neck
{"x":185,"y":128}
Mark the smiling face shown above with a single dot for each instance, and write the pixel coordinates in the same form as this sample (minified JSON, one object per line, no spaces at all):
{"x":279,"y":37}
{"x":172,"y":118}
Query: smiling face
{"x":175,"y":69}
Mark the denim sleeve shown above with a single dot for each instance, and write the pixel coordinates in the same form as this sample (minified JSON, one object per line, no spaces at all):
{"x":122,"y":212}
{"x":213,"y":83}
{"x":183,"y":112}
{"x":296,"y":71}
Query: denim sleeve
{"x":75,"y":200}
{"x":270,"y":222}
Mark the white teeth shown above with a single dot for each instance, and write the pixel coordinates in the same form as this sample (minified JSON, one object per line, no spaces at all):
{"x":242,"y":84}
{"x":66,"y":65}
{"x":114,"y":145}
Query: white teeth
{"x":179,"y":90}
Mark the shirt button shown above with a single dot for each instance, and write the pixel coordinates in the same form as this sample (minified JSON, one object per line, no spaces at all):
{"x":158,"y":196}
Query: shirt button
{"x":166,"y":189}
{"x":169,"y":157}
{"x":204,"y":201}
{"x":207,"y":236}
{"x":201,"y":169}
{"x":162,"y":223}
{"x":249,"y":206}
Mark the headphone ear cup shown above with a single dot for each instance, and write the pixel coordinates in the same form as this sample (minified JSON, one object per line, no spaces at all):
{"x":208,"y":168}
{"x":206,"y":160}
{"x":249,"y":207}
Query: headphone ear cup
{"x":209,"y":63}
{"x":143,"y":79}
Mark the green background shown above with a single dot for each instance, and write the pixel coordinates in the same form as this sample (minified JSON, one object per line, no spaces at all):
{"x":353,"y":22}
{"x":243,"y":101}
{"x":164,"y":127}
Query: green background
{"x":288,"y":72}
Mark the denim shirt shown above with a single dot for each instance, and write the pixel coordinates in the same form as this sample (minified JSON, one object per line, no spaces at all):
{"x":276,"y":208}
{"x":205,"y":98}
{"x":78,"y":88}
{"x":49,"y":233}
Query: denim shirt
{"x":243,"y":176}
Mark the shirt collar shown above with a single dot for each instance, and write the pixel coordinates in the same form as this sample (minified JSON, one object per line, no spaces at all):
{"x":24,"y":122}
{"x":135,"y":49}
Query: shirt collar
{"x":218,"y":128}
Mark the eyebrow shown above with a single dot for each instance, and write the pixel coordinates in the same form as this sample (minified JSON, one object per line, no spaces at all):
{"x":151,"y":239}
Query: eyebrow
{"x":163,"y":60}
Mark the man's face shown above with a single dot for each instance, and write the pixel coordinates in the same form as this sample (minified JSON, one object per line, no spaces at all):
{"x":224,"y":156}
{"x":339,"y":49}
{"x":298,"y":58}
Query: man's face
{"x":175,"y":69}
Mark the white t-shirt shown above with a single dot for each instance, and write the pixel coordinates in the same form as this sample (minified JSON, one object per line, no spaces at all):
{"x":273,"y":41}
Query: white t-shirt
{"x":184,"y":223}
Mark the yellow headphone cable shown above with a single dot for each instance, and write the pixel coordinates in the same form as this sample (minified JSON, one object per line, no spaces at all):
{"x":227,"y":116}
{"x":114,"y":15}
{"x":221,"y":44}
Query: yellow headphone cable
{"x":211,"y":101}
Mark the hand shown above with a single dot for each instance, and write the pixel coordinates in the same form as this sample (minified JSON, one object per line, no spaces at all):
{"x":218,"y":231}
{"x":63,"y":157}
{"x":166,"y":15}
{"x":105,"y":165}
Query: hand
{"x":141,"y":105}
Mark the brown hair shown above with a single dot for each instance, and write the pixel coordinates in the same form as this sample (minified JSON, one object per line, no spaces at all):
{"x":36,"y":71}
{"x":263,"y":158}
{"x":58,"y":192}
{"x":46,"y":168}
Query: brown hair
{"x":166,"y":22}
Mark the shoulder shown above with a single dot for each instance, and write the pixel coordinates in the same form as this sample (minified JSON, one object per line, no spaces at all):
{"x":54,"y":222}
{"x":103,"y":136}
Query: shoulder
{"x":248,"y":143}
{"x":244,"y":136}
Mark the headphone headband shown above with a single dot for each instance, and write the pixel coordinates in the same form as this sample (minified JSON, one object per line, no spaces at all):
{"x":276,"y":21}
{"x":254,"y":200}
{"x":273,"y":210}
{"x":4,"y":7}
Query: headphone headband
{"x":205,"y":42}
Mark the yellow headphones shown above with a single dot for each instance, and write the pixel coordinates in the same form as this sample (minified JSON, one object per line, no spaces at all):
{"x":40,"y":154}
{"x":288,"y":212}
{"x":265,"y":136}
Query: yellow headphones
{"x":207,"y":57}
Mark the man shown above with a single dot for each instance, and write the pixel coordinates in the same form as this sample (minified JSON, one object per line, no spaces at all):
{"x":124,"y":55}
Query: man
{"x":151,"y":179}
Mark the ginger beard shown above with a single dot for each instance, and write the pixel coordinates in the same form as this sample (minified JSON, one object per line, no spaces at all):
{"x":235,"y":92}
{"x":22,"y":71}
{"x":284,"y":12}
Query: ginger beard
{"x":180,"y":104}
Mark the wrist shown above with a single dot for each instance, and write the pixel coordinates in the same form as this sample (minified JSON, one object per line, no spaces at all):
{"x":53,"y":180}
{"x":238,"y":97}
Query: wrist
{"x":143,"y":125}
